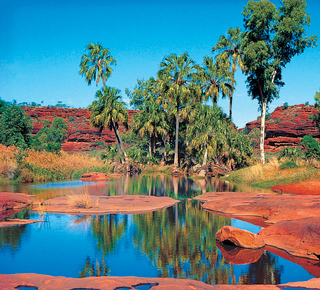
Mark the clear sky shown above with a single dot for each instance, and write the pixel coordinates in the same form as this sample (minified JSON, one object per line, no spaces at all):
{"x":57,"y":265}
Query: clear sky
{"x":42,"y":42}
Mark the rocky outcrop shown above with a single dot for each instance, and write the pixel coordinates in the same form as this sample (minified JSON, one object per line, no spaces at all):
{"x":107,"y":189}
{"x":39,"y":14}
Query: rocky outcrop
{"x":285,"y":126}
{"x":81,"y":136}
{"x":229,"y":235}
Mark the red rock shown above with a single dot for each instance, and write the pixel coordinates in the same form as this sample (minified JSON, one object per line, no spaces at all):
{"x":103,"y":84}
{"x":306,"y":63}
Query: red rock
{"x":94,"y":176}
{"x":107,"y":283}
{"x":126,"y":204}
{"x":299,"y":238}
{"x":11,"y":203}
{"x":286,"y":127}
{"x":81,"y":136}
{"x":239,"y":238}
{"x":261,"y":209}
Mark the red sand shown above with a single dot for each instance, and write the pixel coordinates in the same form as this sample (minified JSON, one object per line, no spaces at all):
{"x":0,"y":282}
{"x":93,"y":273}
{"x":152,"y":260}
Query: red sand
{"x":302,"y":188}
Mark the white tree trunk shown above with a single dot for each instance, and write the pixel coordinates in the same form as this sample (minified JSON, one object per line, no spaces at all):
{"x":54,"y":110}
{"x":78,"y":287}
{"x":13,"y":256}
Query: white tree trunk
{"x":262,"y":127}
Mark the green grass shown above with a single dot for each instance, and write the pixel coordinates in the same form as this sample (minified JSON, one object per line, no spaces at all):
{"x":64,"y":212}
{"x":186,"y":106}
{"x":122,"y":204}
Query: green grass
{"x":266,"y":176}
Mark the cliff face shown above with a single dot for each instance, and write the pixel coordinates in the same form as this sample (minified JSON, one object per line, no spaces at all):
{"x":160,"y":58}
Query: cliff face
{"x":286,"y":126}
{"x":81,"y":136}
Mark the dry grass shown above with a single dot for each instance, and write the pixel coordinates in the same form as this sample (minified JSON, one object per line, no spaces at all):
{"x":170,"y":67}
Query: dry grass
{"x":8,"y":165}
{"x":81,"y":199}
{"x":46,"y":166}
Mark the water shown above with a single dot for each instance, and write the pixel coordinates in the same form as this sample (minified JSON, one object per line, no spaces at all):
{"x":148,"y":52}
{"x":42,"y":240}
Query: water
{"x":176,"y":242}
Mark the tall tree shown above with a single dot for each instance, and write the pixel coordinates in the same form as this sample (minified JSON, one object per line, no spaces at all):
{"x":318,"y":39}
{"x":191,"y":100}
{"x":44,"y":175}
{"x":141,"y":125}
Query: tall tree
{"x":108,"y":111}
{"x":205,"y":122}
{"x":270,"y":40}
{"x":95,"y":64}
{"x":231,"y":46}
{"x":175,"y":75}
{"x":151,"y":120}
{"x":215,"y":78}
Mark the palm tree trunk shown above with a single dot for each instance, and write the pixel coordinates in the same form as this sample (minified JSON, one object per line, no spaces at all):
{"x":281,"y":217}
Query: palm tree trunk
{"x":119,"y":141}
{"x":176,"y":150}
{"x":230,"y":106}
{"x":205,"y":156}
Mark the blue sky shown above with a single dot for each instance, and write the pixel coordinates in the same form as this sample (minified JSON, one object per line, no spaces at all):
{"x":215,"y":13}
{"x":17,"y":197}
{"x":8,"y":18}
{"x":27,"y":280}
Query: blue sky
{"x":42,"y":43}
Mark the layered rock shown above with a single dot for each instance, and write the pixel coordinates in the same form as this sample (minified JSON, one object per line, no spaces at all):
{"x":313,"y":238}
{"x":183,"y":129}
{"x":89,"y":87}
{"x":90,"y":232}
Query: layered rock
{"x":80,"y":136}
{"x":286,"y":126}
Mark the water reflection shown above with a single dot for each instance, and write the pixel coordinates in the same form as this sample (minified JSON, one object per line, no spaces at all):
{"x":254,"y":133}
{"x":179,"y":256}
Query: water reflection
{"x":183,"y":248}
{"x":175,"y":242}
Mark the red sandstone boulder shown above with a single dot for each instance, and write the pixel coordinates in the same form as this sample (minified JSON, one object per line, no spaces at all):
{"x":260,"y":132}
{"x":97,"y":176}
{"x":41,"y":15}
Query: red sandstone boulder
{"x":239,"y":238}
{"x":94,"y":176}
{"x":298,"y":237}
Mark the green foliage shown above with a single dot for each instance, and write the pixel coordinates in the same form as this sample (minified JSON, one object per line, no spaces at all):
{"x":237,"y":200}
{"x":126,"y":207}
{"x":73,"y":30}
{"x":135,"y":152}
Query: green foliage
{"x":50,"y":137}
{"x":288,"y":165}
{"x":95,"y":64}
{"x":108,"y":111}
{"x":15,"y":126}
{"x":270,"y":40}
{"x":311,"y":146}
{"x":291,"y":153}
{"x":285,"y":105}
{"x":254,"y":137}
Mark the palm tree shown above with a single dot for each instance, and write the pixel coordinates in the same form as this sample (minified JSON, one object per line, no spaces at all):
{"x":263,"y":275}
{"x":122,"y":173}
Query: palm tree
{"x":151,"y":121}
{"x":176,"y":74}
{"x":108,"y":112}
{"x":215,"y":78}
{"x":96,"y":64}
{"x":201,"y":131}
{"x":230,"y":45}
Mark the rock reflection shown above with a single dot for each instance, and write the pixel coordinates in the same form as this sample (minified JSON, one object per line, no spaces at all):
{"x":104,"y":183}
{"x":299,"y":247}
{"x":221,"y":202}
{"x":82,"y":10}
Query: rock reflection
{"x":239,"y":256}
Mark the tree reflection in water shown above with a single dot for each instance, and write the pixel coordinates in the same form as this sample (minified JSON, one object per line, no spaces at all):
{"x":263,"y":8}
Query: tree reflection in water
{"x":184,"y":248}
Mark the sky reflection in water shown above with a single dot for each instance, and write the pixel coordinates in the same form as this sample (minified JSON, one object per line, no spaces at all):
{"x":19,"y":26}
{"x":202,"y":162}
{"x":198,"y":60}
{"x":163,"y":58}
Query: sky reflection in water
{"x":175,"y":242}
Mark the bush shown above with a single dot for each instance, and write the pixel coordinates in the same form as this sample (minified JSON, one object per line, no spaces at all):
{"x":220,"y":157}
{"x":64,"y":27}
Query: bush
{"x":15,"y":126}
{"x":291,"y":153}
{"x":288,"y":165}
{"x":311,"y":146}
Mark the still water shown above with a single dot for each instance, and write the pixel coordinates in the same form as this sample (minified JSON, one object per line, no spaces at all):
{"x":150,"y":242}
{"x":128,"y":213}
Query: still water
{"x":175,"y":242}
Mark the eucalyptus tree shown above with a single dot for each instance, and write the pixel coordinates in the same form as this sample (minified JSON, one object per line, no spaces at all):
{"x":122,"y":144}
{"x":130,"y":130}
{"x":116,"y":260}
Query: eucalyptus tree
{"x":176,"y":76}
{"x":215,"y":78}
{"x":108,"y":111}
{"x":95,"y":64}
{"x":230,"y":45}
{"x":270,"y":40}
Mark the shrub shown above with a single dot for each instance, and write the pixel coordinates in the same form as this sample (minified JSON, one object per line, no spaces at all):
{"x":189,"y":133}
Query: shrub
{"x":288,"y":165}
{"x":311,"y":146}
{"x":291,"y":153}
{"x":285,"y":105}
